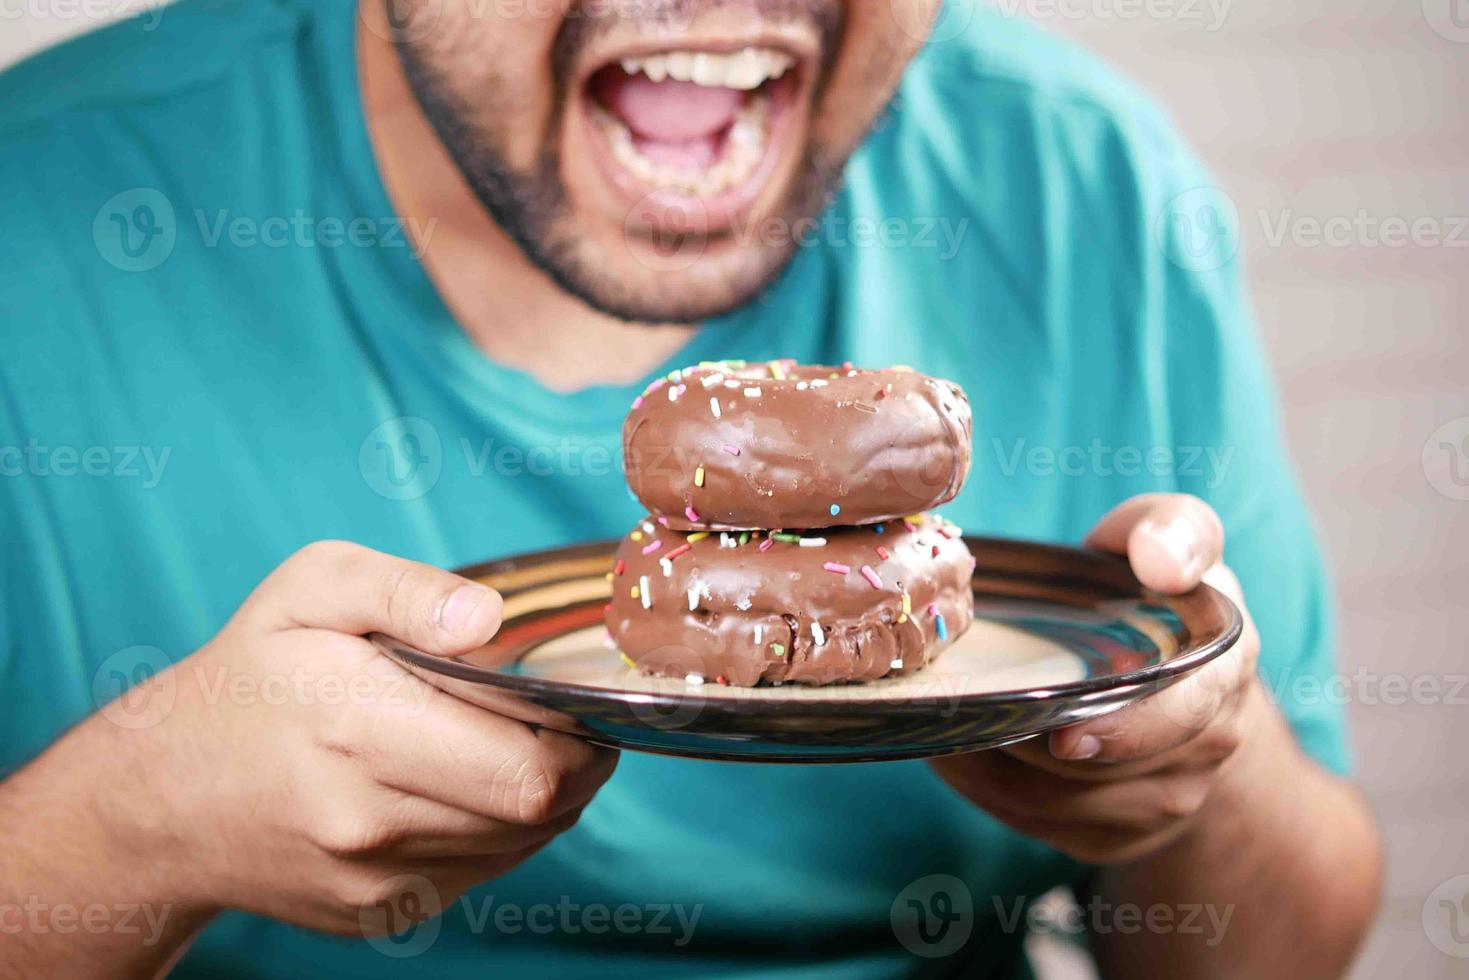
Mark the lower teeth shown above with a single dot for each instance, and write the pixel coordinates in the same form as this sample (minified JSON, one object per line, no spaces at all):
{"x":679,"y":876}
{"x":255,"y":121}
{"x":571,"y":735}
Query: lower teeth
{"x":744,"y":145}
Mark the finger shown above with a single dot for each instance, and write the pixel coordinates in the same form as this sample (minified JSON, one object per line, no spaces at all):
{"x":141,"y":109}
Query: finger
{"x":1038,"y":752}
{"x":1170,"y":539}
{"x":339,"y":586}
{"x":417,"y":828}
{"x":1094,"y":821}
{"x":477,"y":761}
{"x":1160,"y":723}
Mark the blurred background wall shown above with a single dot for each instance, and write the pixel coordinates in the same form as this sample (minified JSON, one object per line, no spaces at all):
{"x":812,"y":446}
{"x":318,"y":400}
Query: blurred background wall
{"x":1339,"y":132}
{"x":1334,"y":124}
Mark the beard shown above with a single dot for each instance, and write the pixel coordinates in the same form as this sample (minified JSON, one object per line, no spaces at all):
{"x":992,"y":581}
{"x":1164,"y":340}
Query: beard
{"x":533,"y":208}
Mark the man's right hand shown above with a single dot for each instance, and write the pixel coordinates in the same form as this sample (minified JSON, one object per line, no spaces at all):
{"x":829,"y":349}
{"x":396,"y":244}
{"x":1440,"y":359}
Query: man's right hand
{"x":310,"y":812}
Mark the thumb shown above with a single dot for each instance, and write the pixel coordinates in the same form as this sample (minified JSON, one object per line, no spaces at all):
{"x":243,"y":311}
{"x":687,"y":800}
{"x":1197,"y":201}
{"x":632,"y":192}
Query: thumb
{"x":346,"y":588}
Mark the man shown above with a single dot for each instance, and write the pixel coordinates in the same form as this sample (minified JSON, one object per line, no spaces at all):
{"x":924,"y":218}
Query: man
{"x":284,"y":271}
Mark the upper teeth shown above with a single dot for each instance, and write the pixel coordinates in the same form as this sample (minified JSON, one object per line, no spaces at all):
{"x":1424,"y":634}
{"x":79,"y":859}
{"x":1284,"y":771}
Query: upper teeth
{"x":746,"y":69}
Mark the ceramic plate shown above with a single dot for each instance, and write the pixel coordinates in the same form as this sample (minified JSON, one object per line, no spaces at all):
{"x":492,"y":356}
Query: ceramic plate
{"x":1060,"y":635}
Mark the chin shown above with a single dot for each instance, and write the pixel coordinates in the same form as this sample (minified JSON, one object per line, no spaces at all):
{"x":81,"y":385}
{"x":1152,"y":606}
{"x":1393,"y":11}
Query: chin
{"x":653,"y":279}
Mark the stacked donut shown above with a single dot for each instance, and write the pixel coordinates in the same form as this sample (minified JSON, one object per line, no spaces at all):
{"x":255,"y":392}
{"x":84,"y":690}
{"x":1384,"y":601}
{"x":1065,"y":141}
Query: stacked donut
{"x":788,"y":538}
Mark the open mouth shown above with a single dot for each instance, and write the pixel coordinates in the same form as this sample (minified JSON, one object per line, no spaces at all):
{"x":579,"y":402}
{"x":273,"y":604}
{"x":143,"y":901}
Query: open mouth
{"x":710,"y":125}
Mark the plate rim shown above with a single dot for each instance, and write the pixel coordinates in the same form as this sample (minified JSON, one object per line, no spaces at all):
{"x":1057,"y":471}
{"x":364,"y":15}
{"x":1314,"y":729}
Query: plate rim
{"x":1159,"y":674}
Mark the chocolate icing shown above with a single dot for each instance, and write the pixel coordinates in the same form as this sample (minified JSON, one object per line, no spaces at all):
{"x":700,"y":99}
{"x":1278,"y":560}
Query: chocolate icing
{"x":876,"y":444}
{"x":777,"y":594}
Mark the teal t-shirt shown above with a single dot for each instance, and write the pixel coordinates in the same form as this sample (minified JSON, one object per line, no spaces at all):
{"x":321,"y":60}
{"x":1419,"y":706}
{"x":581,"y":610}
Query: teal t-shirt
{"x":214,"y":335}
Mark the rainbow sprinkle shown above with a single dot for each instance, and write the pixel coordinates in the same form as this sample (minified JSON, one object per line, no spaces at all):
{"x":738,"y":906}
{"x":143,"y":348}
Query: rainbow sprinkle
{"x":652,"y":546}
{"x":627,"y":660}
{"x":620,"y":567}
{"x":697,"y":536}
{"x":883,"y":553}
{"x":836,"y":509}
{"x":714,"y":406}
{"x":678,"y":551}
{"x":818,"y":634}
{"x":732,"y":450}
{"x":938,"y":622}
{"x":767,"y":544}
{"x":692,"y":515}
{"x":646,"y":592}
{"x":871,"y":577}
{"x":813,"y":542}
{"x":699,"y":477}
{"x":838,"y":568}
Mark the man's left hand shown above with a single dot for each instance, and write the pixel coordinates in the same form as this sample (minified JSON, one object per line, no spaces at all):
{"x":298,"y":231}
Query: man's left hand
{"x":1117,"y":788}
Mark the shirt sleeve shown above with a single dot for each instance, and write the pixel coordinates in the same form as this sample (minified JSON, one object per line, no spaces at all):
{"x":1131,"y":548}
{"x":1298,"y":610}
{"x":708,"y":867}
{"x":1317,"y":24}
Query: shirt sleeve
{"x":1226,"y":431}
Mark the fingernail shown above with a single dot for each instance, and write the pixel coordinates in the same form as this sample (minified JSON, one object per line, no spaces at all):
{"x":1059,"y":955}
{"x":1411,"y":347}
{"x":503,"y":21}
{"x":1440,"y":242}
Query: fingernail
{"x":455,"y":612}
{"x":1086,"y":747}
{"x":1180,"y":539}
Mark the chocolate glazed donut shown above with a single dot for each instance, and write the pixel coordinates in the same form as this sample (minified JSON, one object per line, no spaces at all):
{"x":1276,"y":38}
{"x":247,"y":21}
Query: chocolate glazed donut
{"x":850,"y":604}
{"x":778,"y":445}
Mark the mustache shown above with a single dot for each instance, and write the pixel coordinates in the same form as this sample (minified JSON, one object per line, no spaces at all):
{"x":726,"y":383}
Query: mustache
{"x":588,"y":21}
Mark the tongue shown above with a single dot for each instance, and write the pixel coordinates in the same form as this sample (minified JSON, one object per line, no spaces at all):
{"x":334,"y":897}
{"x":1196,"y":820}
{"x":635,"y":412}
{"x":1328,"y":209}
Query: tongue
{"x":667,"y":112}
